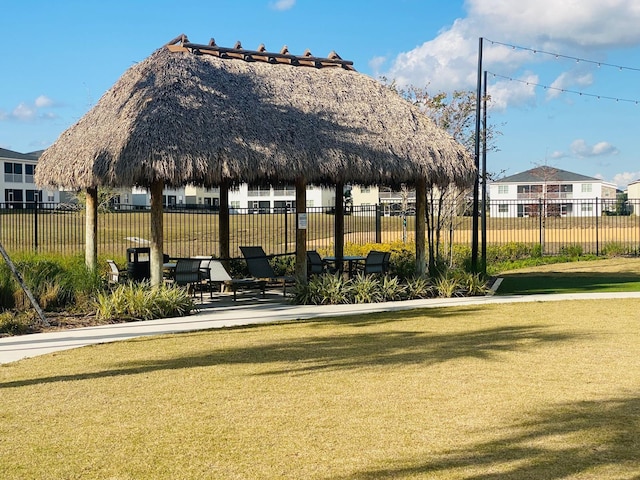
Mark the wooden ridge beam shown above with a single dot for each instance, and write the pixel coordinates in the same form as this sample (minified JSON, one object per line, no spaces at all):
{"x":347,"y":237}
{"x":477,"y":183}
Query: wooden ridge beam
{"x":182,"y":43}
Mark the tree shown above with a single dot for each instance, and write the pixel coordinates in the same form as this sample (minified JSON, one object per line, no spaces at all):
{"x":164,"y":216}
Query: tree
{"x":106,"y":196}
{"x":455,"y":113}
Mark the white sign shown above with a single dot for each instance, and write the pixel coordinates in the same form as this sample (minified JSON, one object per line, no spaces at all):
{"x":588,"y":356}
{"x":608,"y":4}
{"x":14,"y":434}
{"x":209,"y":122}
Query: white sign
{"x":302,"y":221}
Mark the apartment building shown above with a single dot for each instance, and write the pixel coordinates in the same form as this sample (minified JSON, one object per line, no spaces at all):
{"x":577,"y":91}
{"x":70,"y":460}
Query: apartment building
{"x":550,"y":191}
{"x":17,"y":185}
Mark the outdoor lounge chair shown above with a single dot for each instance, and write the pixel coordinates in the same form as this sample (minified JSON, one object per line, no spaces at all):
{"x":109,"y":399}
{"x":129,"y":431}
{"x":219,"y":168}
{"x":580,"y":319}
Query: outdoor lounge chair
{"x":260,"y":268}
{"x":215,"y":274}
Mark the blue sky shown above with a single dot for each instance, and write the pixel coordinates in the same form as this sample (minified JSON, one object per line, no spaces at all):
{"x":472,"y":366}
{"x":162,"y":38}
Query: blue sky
{"x":59,"y":57}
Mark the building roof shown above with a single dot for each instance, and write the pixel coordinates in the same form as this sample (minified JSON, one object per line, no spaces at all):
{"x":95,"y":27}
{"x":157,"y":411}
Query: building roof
{"x":547,"y":174}
{"x":10,"y":154}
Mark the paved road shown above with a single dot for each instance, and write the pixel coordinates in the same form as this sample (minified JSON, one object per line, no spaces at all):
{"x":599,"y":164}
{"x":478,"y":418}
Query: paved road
{"x":229,"y":315}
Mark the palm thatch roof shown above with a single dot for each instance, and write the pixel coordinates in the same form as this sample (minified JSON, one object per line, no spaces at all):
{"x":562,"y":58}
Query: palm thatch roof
{"x":185,"y":118}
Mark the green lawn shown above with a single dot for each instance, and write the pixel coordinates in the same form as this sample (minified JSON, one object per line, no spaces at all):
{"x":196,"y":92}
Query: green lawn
{"x":610,"y":275}
{"x":545,"y":390}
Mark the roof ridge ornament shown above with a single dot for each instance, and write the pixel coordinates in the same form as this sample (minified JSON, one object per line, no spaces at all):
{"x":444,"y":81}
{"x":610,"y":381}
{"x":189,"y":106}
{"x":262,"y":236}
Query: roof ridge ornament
{"x":181,"y":44}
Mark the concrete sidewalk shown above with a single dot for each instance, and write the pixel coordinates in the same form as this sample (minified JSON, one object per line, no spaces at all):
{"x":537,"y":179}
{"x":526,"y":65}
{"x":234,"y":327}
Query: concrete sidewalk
{"x":231,"y":315}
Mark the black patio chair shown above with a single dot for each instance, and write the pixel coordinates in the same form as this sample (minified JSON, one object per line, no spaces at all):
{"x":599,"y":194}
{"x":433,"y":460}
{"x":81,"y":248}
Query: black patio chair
{"x":189,"y":274}
{"x":375,"y":263}
{"x":260,"y":268}
{"x":315,"y":264}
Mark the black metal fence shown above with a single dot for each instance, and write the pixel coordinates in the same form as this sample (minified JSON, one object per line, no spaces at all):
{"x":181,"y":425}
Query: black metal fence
{"x":594,"y":226}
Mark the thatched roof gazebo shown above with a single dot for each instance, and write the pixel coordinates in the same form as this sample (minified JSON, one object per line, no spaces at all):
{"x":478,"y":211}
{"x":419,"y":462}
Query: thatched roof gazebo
{"x":214,"y":116}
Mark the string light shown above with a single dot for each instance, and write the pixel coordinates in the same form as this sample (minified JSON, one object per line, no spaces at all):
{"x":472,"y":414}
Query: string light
{"x":563,"y":90}
{"x":568,"y":57}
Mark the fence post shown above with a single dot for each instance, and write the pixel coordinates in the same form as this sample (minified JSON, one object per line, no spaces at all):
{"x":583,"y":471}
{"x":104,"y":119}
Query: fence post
{"x":541,"y":227}
{"x":286,"y":228}
{"x":378,"y":224}
{"x":597,"y":235}
{"x":35,"y":224}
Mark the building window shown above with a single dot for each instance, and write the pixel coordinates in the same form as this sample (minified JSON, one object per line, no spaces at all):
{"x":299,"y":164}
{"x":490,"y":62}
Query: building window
{"x":587,"y":207}
{"x":11,"y":195}
{"x":32,"y":195}
{"x":587,"y":187}
{"x":503,"y":189}
{"x":13,"y":172}
{"x":235,"y":203}
{"x":309,"y":203}
{"x":365,"y":189}
{"x":29,"y":171}
{"x":503,"y":208}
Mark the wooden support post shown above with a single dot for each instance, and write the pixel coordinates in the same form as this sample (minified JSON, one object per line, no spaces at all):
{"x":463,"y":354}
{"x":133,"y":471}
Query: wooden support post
{"x":338,"y":231}
{"x":301,"y":230}
{"x":421,"y":211}
{"x":91,"y":229}
{"x":157,"y":231}
{"x":223,"y":225}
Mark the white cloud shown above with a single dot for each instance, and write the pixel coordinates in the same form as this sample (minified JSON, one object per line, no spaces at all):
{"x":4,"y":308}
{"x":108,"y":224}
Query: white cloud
{"x":375,"y":64}
{"x":557,"y":154}
{"x":625,"y":178}
{"x":24,"y":112}
{"x":518,"y":92}
{"x":282,"y":4}
{"x":567,"y":81}
{"x":582,"y":28}
{"x":580,"y":148}
{"x":579,"y":23}
{"x":43,"y":101}
{"x":27,"y":111}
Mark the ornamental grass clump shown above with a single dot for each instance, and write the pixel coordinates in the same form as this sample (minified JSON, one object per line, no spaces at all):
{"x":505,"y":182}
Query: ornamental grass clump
{"x":325,"y":289}
{"x":448,"y":286}
{"x":139,"y":301}
{"x":391,"y":289}
{"x":366,"y":289}
{"x":473,"y":283}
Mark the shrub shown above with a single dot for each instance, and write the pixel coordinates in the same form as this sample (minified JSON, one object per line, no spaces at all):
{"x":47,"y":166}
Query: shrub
{"x":402,"y":263}
{"x":419,"y":287}
{"x":391,"y":289}
{"x":284,"y":265}
{"x":138,"y":301}
{"x":473,"y":283}
{"x":365,"y":289}
{"x":56,"y":281}
{"x":448,"y":286}
{"x":324,"y":289}
{"x":14,"y":324}
{"x":571,"y":250}
{"x":614,"y":249}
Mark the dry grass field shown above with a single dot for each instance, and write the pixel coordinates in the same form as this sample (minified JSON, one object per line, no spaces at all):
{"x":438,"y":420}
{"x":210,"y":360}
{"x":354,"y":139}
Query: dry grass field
{"x":520,"y":391}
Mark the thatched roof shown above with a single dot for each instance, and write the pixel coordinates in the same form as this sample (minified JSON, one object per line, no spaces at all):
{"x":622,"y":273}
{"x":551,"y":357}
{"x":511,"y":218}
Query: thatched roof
{"x":200,"y":119}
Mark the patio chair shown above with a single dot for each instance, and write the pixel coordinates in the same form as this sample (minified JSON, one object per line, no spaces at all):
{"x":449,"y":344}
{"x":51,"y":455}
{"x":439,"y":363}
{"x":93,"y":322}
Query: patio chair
{"x":386,"y":262}
{"x":188,"y":274}
{"x":375,"y":263}
{"x":315,"y":264}
{"x":260,"y":268}
{"x":115,"y":275}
